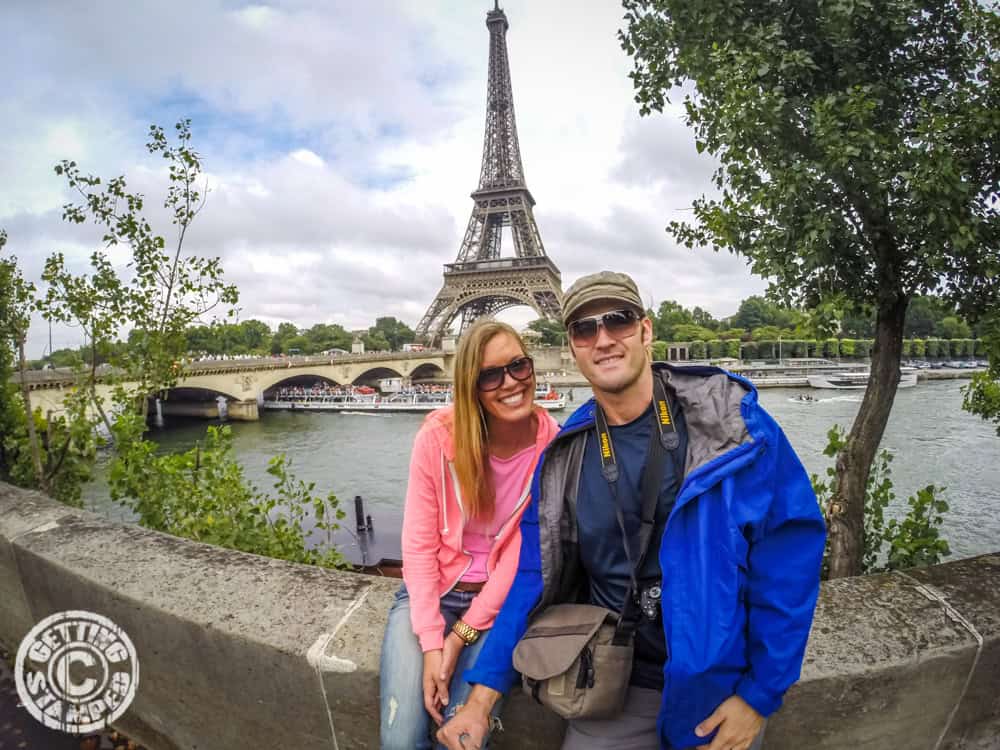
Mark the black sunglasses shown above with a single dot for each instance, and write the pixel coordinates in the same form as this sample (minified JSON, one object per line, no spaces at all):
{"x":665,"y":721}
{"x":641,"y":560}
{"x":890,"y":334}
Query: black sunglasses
{"x":618,"y":323}
{"x":492,"y":378}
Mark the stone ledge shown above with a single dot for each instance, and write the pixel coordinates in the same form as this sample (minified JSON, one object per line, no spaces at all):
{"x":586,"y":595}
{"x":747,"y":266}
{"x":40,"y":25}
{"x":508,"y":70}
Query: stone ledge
{"x":238,"y":649}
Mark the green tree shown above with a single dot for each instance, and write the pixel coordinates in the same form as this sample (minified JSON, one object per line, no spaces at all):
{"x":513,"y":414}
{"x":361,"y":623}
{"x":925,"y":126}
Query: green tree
{"x":670,"y":315}
{"x":952,"y":327}
{"x":51,"y":453}
{"x":255,"y":335}
{"x":279,"y":342}
{"x":323,"y":337}
{"x":394,"y":331}
{"x":552,"y":332}
{"x":659,"y":351}
{"x":376,"y":342}
{"x":201,"y":494}
{"x":755,"y":312}
{"x":167,"y":289}
{"x":17,"y":298}
{"x":923,"y":315}
{"x":856,"y":144}
{"x":704,"y":319}
{"x":767,"y":333}
{"x":731,"y":333}
{"x":692,"y":332}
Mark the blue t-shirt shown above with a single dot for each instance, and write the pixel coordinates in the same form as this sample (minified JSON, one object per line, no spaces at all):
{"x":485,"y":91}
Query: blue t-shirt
{"x":602,"y":550}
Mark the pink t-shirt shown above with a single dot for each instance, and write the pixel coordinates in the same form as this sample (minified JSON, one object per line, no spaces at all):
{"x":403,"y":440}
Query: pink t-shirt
{"x":510,"y":480}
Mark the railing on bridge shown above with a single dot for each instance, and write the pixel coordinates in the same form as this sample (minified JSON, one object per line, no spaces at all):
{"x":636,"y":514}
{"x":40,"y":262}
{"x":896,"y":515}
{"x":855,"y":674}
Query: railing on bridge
{"x":65,"y":376}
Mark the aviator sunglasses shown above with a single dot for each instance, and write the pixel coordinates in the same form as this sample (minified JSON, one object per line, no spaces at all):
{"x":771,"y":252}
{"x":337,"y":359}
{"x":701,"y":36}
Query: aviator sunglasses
{"x":618,"y":323}
{"x":492,"y":377}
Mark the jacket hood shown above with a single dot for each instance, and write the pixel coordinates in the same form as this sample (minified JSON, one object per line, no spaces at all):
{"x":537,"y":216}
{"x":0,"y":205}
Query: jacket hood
{"x":439,"y":424}
{"x":712,"y":400}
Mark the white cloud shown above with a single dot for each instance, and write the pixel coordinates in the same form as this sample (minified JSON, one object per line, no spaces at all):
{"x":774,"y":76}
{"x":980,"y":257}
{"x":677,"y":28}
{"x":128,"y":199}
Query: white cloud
{"x":341,"y":141}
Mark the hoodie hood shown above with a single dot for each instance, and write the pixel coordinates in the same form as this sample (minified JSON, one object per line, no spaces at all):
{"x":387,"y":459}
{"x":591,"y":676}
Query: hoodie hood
{"x":438,"y":424}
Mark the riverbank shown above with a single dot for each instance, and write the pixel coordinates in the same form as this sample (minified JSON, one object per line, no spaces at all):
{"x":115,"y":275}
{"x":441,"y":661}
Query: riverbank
{"x":576,"y":380}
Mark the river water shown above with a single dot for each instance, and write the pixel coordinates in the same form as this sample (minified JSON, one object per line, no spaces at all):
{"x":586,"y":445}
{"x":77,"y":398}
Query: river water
{"x":932,"y":440}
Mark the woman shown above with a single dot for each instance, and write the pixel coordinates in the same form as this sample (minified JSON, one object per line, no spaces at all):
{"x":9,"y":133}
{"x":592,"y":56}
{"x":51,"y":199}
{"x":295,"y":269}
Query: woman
{"x":470,"y":473}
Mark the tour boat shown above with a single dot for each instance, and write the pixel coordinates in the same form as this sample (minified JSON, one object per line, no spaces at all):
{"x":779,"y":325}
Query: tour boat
{"x":319,"y":400}
{"x":368,"y":400}
{"x":858,"y":379}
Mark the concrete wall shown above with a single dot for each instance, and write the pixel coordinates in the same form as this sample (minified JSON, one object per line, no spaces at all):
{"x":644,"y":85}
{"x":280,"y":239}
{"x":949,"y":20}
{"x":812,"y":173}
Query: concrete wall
{"x":238,"y":650}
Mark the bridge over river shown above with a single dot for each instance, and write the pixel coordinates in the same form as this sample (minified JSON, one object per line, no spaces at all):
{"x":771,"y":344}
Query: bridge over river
{"x":243,"y":383}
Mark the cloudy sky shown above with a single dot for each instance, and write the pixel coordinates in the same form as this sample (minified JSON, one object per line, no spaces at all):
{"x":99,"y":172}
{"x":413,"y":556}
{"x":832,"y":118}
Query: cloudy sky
{"x":341,"y":140}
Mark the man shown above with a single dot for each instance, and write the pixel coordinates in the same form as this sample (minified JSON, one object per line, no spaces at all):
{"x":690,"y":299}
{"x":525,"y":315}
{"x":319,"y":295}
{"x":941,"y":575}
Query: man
{"x":734,"y":556}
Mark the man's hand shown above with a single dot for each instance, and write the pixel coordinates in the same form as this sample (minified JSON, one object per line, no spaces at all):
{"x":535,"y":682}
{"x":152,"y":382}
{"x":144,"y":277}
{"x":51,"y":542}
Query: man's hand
{"x":467,"y":729}
{"x":738,"y":725}
{"x":435,"y":689}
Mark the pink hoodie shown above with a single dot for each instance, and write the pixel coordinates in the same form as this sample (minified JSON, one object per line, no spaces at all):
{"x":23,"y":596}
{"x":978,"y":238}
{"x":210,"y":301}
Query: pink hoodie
{"x":433,"y":522}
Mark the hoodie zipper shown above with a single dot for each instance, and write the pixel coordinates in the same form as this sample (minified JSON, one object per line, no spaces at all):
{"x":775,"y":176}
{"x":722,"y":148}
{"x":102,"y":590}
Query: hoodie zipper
{"x":458,"y":497}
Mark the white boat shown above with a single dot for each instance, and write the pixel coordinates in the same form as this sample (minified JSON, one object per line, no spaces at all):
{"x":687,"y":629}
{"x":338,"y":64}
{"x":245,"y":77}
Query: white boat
{"x":858,"y":379}
{"x":547,"y":397}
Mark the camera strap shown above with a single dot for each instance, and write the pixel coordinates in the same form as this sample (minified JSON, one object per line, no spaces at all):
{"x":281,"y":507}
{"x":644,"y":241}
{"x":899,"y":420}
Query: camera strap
{"x":662,"y":438}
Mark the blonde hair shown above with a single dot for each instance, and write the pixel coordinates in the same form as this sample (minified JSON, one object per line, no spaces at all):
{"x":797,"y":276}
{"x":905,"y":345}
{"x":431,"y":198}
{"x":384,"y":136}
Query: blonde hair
{"x":469,"y":427}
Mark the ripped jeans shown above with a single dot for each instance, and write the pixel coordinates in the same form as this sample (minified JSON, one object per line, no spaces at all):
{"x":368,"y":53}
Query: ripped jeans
{"x":404,"y":721}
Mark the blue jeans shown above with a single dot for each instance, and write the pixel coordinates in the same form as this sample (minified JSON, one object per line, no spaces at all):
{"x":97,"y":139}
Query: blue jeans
{"x":405,"y":723}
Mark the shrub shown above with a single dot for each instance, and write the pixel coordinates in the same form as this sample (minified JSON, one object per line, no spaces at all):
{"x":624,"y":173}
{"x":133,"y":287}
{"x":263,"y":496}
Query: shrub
{"x":913,"y":541}
{"x":202,"y":494}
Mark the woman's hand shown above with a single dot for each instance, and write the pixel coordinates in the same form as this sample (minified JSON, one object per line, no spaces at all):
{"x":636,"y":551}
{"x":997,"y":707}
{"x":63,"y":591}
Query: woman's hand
{"x":453,"y":646}
{"x":439,"y":666}
{"x":435,"y":689}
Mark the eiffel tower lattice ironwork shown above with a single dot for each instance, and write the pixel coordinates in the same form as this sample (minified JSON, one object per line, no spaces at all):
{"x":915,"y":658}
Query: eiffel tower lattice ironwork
{"x":481,"y":282}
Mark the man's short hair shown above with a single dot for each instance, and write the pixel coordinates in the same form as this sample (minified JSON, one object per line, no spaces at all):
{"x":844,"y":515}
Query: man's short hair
{"x":604,"y":285}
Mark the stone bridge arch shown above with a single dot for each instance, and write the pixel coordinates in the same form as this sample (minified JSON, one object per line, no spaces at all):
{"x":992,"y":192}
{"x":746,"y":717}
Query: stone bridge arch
{"x":302,"y":380}
{"x":372,"y":375}
{"x":428,"y":371}
{"x":190,"y":401}
{"x":267,"y":380}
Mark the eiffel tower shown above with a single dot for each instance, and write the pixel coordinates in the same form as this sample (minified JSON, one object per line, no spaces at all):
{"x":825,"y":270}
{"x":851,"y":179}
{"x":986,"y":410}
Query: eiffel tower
{"x":481,"y":282}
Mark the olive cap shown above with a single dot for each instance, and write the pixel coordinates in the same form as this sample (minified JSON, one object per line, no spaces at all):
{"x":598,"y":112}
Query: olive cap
{"x":609,"y":285}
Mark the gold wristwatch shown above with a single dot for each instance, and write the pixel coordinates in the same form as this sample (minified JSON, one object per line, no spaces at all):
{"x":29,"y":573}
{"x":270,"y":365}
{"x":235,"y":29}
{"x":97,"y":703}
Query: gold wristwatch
{"x":466,"y":632}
